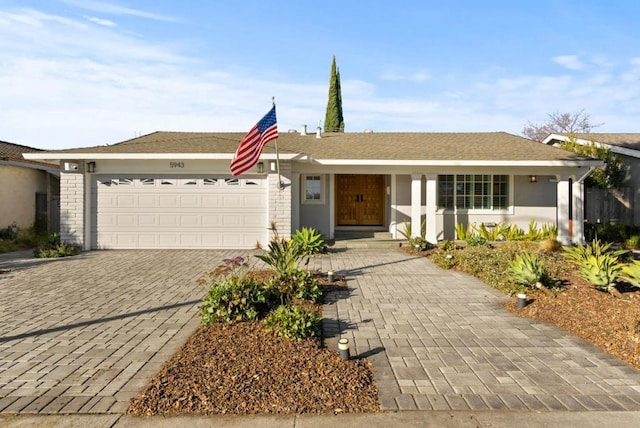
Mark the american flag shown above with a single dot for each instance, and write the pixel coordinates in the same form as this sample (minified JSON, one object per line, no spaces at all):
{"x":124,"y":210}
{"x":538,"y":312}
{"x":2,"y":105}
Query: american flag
{"x":250,"y":147}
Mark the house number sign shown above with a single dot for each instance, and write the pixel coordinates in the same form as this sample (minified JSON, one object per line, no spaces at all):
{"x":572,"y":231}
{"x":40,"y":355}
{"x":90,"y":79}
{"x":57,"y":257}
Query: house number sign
{"x":176,"y":164}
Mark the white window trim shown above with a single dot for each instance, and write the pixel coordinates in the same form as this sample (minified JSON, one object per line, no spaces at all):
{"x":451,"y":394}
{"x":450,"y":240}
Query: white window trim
{"x":509,"y":210}
{"x":303,"y":190}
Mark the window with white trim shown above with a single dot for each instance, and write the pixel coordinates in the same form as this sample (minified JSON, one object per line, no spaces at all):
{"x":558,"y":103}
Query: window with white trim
{"x":313,"y":189}
{"x":473,"y":192}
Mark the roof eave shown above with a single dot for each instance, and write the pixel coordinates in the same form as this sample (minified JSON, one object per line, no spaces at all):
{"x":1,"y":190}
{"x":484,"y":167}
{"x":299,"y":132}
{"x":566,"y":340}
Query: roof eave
{"x":30,"y":165}
{"x":148,"y":156}
{"x":553,"y":138}
{"x":410,"y":162}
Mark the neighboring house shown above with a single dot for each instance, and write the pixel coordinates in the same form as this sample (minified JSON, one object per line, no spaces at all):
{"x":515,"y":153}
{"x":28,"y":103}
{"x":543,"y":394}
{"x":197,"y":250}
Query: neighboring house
{"x":174,"y":190}
{"x":627,"y":146}
{"x":29,"y":190}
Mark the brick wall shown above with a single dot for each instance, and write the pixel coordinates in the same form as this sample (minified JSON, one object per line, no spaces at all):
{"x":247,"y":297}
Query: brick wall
{"x":72,"y":207}
{"x":280,"y":200}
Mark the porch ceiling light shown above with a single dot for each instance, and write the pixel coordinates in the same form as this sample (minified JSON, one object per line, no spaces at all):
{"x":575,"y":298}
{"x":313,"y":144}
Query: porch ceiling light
{"x":533,"y":179}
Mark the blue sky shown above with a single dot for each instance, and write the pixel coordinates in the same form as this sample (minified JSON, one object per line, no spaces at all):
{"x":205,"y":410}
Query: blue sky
{"x":79,"y":73}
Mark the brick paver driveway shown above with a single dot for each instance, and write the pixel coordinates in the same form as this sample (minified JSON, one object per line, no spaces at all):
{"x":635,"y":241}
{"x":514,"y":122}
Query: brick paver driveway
{"x":84,"y":334}
{"x":439,"y":340}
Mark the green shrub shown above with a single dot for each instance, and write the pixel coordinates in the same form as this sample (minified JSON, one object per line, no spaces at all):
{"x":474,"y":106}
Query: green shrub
{"x":8,"y":246}
{"x":477,"y":241}
{"x":447,"y":245}
{"x":9,"y":233}
{"x":232,"y":295}
{"x":444,"y":258}
{"x":309,"y":241}
{"x":633,"y":241}
{"x":526,"y":269}
{"x":293,"y":322}
{"x":233,"y":299}
{"x":416,"y":243}
{"x":295,"y":284}
{"x":53,"y":247}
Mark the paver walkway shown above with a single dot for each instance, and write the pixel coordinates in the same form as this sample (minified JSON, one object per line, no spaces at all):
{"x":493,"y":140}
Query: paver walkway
{"x":85,"y":333}
{"x":439,"y":340}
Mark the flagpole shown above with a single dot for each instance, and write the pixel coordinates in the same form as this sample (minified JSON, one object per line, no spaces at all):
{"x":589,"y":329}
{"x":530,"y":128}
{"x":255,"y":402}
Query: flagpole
{"x":273,"y":102}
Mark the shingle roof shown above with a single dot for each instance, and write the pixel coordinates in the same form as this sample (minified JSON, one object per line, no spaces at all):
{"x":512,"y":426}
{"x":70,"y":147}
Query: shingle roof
{"x":476,"y":146}
{"x":14,"y":151}
{"x":629,"y":141}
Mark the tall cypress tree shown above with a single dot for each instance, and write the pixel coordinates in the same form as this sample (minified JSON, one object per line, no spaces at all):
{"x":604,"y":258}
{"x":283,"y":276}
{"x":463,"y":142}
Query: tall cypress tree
{"x":333,"y":120}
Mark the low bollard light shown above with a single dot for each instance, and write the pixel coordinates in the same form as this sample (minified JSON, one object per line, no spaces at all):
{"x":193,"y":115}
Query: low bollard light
{"x":522,"y":300}
{"x":343,"y":348}
{"x":330,"y":276}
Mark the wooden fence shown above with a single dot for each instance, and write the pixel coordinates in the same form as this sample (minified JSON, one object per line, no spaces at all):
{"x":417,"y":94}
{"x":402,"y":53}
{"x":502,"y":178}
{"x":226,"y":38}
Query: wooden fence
{"x":609,"y":205}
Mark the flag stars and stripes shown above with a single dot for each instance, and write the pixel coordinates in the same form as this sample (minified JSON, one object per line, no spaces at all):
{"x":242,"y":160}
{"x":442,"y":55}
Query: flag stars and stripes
{"x":251,"y":146}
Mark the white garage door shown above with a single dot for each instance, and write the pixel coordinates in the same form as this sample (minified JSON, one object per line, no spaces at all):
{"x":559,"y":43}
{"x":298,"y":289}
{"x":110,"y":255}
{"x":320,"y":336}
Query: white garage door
{"x":179,"y":212}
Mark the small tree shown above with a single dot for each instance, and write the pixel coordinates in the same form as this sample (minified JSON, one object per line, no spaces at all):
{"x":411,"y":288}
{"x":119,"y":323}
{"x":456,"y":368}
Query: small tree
{"x":614,"y":171}
{"x":333,"y":120}
{"x":560,"y":123}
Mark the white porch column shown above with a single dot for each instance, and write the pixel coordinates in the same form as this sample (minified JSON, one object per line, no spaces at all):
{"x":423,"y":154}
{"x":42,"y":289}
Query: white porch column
{"x":393,"y":221}
{"x":432,"y":207}
{"x":578,"y":213}
{"x":563,"y":211}
{"x":416,"y":204}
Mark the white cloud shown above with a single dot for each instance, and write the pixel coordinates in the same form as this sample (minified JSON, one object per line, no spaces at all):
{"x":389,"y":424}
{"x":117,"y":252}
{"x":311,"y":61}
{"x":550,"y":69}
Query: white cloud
{"x":103,"y":22}
{"x":418,"y":76}
{"x":572,"y":62}
{"x":114,"y":9}
{"x":69,"y":83}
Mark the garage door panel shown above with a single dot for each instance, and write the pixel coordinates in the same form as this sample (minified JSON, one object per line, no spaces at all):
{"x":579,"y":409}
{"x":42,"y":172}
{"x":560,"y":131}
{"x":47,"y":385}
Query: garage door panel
{"x":211,"y":220}
{"x":211,"y":201}
{"x":167,"y":201}
{"x":127,"y":201}
{"x":167,"y":212}
{"x":147,"y":201}
{"x":190,"y":201}
{"x":126,"y":220}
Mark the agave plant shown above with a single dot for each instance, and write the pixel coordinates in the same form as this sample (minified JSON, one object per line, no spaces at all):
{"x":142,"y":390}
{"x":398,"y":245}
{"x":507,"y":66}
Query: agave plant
{"x":308,"y":240}
{"x":602,"y":271}
{"x":526,"y":269}
{"x":580,"y":253}
{"x":631,"y":273}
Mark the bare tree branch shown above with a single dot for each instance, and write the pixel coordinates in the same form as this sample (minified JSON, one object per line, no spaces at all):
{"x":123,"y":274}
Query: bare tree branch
{"x":560,"y":123}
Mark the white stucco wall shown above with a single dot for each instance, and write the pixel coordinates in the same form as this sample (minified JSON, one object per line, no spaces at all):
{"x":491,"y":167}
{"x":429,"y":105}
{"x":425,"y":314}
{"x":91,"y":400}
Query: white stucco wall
{"x":18,"y":195}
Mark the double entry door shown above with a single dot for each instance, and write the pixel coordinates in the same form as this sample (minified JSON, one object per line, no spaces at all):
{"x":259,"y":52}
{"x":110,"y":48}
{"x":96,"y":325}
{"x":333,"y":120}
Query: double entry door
{"x":360,"y":200}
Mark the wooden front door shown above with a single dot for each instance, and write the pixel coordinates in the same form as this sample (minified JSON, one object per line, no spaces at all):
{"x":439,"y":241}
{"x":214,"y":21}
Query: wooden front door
{"x":360,"y":200}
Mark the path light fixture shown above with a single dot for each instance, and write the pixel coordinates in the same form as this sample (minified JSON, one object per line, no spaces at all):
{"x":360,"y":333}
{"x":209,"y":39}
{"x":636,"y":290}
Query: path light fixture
{"x":330,"y":276}
{"x":343,"y":348}
{"x":522,"y":300}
